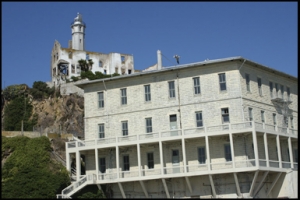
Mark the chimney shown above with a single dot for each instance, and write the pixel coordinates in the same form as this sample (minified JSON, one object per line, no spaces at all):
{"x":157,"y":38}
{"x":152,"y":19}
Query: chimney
{"x":159,"y":61}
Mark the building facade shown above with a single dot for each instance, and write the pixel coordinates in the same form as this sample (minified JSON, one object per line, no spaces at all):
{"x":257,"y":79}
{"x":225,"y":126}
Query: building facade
{"x":225,"y":128}
{"x":64,"y":61}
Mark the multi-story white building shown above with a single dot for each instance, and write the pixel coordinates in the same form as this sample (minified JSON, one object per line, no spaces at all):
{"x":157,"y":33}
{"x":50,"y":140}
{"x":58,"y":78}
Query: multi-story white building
{"x":225,"y":128}
{"x":64,"y":61}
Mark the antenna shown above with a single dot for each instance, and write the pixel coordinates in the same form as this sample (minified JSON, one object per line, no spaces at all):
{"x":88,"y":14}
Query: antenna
{"x":177,"y":58}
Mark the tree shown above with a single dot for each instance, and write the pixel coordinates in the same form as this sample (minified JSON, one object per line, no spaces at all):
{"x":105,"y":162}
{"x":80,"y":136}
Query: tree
{"x":17,"y":110}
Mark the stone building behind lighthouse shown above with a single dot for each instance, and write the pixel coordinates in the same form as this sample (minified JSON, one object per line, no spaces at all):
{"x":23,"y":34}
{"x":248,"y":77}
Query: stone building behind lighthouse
{"x":64,"y":61}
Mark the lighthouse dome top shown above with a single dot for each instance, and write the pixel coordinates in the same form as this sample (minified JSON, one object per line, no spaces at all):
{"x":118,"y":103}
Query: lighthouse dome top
{"x":78,"y":20}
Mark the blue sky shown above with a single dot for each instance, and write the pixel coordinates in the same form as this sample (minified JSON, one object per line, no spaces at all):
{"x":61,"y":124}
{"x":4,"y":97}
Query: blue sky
{"x":263,"y":32}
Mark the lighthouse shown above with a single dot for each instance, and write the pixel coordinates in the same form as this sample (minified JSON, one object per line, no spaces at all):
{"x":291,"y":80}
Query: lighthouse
{"x":78,"y":33}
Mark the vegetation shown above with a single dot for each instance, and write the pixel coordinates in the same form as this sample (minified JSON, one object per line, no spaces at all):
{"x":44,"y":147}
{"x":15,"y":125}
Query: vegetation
{"x":41,"y":90}
{"x":29,"y":172}
{"x":17,"y":110}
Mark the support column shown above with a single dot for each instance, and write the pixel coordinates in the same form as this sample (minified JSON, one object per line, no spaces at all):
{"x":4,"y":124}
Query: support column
{"x":291,"y":152}
{"x":261,"y":181}
{"x":207,"y":153}
{"x":253,"y":183}
{"x":266,"y":149}
{"x":117,"y":162}
{"x":161,"y":158}
{"x":255,"y":146}
{"x":78,"y":165}
{"x":97,"y":163}
{"x":139,"y":158}
{"x":232,"y":150}
{"x":212,"y":186}
{"x":183,"y":155}
{"x":122,"y":191}
{"x":144,"y":189}
{"x":278,"y":151}
{"x":68,"y":165}
{"x":238,"y":191}
{"x":273,"y":183}
{"x":166,"y":187}
{"x":189,"y":184}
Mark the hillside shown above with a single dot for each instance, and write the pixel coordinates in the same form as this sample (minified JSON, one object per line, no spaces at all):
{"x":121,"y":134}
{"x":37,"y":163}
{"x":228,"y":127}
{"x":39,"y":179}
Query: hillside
{"x":48,"y":111}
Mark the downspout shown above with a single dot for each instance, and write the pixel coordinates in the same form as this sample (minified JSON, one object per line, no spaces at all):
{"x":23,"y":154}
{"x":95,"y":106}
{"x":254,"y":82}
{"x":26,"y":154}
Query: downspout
{"x":179,"y":110}
{"x":241,"y":92}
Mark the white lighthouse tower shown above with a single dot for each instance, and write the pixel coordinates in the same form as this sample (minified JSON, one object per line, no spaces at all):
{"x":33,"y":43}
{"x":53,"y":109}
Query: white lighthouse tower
{"x":78,"y":32}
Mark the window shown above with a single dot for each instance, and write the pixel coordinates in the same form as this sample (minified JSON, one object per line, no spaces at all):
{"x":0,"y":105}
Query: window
{"x":100,"y":100}
{"x":105,"y":71}
{"x":126,"y":163}
{"x":171,"y":89}
{"x":129,"y":71}
{"x":123,"y":96}
{"x":292,"y":122}
{"x":199,"y":119}
{"x":101,"y":131}
{"x":150,"y":160}
{"x":125,"y":128}
{"x":100,"y":63}
{"x":196,"y":85}
{"x":259,"y":86}
{"x":288,"y":93}
{"x":276,"y":87}
{"x":102,"y":165}
{"x":271,"y":89}
{"x":250,"y":114}
{"x":227,"y":152}
{"x":222,"y":80}
{"x":225,"y":115}
{"x":274,"y":119}
{"x":123,"y":59}
{"x":248,"y":82}
{"x":87,"y":56}
{"x":147,"y":93}
{"x":262,"y":115}
{"x":281,"y":90}
{"x":148,"y":125}
{"x":201,"y":155}
{"x":175,"y":156}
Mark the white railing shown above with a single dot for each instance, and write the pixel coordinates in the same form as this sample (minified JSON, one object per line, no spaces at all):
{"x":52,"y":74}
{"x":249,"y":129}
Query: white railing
{"x":106,"y":140}
{"x":221,"y":165}
{"x":173,"y":170}
{"x":60,"y":196}
{"x":192,"y":131}
{"x":270,"y":127}
{"x":108,"y":176}
{"x":281,"y":129}
{"x":127,"y":138}
{"x":73,"y":186}
{"x":245,"y":163}
{"x":262,"y":163}
{"x":196,"y":167}
{"x":150,"y":172}
{"x":274,"y":163}
{"x":243,"y":125}
{"x":171,"y":133}
{"x":286,"y":164}
{"x":218,"y":128}
{"x":295,"y":165}
{"x":148,"y":136}
{"x":129,"y":174}
{"x":179,"y":132}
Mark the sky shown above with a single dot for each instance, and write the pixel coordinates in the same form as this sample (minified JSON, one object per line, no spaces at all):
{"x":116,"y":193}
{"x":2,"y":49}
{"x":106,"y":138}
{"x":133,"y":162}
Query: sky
{"x":263,"y":32}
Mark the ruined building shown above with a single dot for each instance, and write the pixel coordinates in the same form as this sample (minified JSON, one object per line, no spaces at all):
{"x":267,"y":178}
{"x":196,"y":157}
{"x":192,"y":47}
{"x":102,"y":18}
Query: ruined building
{"x":64,"y":61}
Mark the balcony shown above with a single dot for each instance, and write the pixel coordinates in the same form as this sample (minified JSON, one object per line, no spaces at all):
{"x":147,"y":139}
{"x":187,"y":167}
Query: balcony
{"x":178,"y":134}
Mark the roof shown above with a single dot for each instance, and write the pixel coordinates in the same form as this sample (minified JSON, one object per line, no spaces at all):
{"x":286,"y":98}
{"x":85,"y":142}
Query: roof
{"x":177,"y":67}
